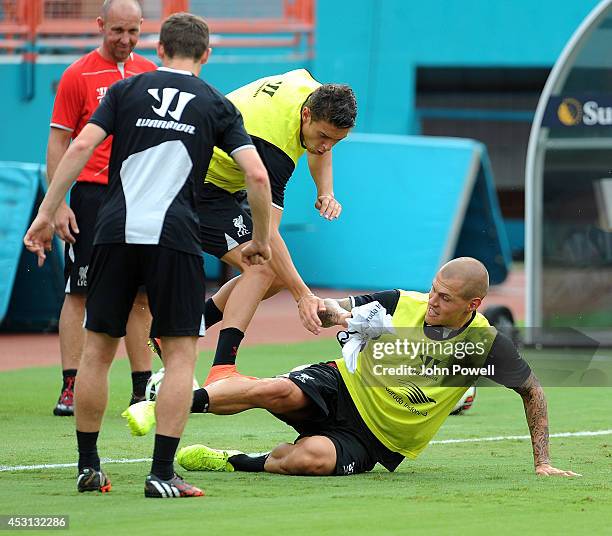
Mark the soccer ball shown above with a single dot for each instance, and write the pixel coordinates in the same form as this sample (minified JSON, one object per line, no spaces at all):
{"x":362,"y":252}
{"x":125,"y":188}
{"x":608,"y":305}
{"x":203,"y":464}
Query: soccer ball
{"x":465,"y":402}
{"x":154,"y":384}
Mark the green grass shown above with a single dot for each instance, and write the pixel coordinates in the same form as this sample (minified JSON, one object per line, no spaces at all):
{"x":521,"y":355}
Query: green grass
{"x":475,"y":487}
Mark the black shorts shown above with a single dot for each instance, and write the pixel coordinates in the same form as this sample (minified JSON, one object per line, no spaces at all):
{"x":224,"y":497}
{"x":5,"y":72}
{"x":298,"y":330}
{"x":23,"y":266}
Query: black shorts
{"x":336,"y":417}
{"x":174,"y":283}
{"x":85,"y":200}
{"x":225,"y":219}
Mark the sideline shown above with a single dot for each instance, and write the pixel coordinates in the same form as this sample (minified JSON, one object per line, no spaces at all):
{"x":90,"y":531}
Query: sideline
{"x":4,"y":468}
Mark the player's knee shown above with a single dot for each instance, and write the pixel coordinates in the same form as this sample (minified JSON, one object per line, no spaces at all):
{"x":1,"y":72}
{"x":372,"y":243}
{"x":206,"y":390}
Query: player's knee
{"x":276,"y":286}
{"x":275,"y":394}
{"x":262,"y":272}
{"x":99,"y":349}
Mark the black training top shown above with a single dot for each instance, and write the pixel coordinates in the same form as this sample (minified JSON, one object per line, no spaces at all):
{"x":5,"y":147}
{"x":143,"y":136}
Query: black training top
{"x":165,"y":124}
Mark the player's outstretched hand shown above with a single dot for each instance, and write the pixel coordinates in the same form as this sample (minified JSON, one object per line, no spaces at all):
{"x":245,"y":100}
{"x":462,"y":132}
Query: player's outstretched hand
{"x":309,"y":307}
{"x":65,"y":224}
{"x":256,"y":253}
{"x":39,"y":237}
{"x":328,"y":207}
{"x":548,"y":470}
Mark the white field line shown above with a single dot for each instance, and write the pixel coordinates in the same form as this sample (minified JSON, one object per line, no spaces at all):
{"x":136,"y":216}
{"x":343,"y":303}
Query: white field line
{"x":4,"y":468}
{"x":510,"y":438}
{"x":62,"y":465}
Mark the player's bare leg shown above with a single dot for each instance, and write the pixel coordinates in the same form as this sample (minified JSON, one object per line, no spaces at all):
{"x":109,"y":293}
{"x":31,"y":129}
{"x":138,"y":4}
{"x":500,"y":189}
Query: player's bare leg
{"x":172,"y":410}
{"x":314,"y":456}
{"x":174,"y":400}
{"x":71,"y":332}
{"x":91,"y":398}
{"x":72,"y":337}
{"x":241,"y":304}
{"x":235,"y":394}
{"x":228,"y":396}
{"x":248,"y":290}
{"x":309,"y":456}
{"x":91,"y":387}
{"x":221,"y":296}
{"x":137,"y":334}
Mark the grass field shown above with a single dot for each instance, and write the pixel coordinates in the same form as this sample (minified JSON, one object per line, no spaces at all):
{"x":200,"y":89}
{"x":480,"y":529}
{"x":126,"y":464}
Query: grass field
{"x":474,"y":488}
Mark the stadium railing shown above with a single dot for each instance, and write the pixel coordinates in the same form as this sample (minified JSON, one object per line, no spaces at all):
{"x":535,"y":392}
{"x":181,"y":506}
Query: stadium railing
{"x":15,"y":30}
{"x":32,"y":27}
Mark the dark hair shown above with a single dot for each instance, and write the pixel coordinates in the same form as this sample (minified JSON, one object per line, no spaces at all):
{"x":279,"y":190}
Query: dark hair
{"x":334,"y":103}
{"x":184,"y":35}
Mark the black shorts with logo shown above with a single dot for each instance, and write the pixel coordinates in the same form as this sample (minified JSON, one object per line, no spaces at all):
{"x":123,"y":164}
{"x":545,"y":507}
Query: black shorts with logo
{"x":174,"y":282}
{"x":336,"y":417}
{"x":225,"y":219}
{"x":85,"y":200}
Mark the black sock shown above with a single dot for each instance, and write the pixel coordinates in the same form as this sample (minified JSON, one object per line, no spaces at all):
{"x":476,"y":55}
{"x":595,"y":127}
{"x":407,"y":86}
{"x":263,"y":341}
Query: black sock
{"x":212,"y":314}
{"x":252,"y":463}
{"x":88,"y":450}
{"x":139,"y":382}
{"x":163,"y":456}
{"x":68,"y":373}
{"x":227,"y":347}
{"x":200,"y":401}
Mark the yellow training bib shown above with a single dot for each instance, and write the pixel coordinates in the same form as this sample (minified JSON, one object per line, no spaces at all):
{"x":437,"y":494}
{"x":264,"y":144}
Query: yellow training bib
{"x":404,"y":407}
{"x":271,"y":110}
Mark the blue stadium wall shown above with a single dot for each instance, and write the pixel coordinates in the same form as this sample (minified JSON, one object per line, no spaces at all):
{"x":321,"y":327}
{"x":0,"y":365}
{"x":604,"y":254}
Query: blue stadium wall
{"x":376,"y":45}
{"x":373,"y":45}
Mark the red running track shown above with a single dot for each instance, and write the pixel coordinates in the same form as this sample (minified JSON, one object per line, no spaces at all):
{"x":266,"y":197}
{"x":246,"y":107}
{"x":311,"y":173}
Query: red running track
{"x":276,"y":322}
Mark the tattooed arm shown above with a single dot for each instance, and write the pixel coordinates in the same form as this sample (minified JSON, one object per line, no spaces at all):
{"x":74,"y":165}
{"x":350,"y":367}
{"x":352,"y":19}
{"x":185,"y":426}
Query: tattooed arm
{"x":336,"y":312}
{"x":537,"y":419}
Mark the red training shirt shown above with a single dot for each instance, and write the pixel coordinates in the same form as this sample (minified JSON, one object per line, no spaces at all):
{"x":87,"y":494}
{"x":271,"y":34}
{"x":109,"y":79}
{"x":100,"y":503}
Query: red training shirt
{"x":81,"y":88}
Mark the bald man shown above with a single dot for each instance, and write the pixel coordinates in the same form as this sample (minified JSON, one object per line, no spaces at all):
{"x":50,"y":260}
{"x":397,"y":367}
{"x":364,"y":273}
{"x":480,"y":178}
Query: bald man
{"x":391,"y":403}
{"x":81,"y":88}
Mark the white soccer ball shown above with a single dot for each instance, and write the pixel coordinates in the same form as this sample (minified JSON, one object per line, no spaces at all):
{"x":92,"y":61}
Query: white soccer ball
{"x":154,"y":384}
{"x":465,"y":402}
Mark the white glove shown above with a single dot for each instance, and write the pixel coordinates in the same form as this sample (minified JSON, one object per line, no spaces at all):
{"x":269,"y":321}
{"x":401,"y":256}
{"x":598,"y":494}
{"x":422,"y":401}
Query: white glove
{"x":369,"y":321}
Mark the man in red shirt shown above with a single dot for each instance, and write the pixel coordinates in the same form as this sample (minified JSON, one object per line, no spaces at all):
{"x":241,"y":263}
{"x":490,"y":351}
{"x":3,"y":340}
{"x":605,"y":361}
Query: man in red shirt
{"x":81,"y":88}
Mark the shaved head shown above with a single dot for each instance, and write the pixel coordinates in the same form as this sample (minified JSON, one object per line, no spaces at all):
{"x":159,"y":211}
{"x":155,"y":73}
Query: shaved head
{"x":119,"y":25}
{"x":472,"y":275}
{"x":129,"y":5}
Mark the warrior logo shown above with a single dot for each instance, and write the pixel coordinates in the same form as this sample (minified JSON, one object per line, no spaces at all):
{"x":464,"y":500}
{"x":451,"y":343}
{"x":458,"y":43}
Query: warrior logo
{"x":168,"y":95}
